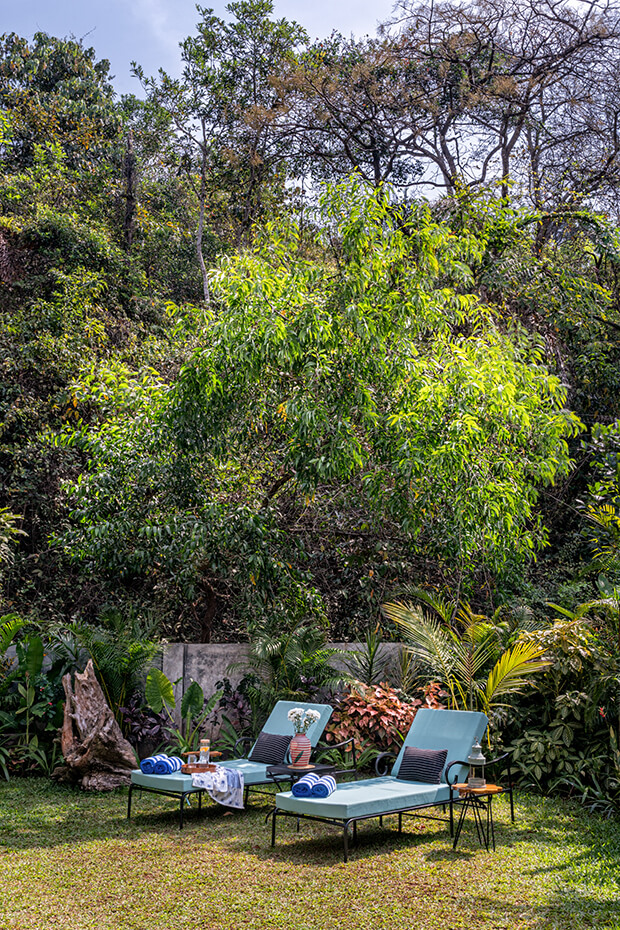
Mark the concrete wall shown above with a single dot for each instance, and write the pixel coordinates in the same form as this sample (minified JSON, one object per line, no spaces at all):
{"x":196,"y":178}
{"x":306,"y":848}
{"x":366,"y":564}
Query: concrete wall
{"x":208,"y":664}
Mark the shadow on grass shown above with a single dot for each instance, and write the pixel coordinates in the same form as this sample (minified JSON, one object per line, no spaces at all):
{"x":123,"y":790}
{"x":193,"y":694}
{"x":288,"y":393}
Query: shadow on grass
{"x":36,"y":813}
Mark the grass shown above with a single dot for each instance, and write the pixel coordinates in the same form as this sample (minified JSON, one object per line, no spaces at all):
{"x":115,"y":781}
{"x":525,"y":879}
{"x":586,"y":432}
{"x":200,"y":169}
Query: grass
{"x":71,"y":860}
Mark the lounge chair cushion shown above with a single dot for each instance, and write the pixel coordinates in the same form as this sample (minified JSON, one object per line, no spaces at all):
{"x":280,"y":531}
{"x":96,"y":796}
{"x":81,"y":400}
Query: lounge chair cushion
{"x":454,"y":730}
{"x":254,"y":773}
{"x":278,"y":721}
{"x":176,"y":781}
{"x":370,"y":797}
{"x":270,"y":748}
{"x":425,"y":765}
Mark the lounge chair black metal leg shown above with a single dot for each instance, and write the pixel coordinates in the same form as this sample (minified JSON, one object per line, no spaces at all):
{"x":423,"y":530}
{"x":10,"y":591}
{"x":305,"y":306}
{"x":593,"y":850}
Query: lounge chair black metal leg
{"x":451,"y":817}
{"x":273,"y":826}
{"x":400,"y":823}
{"x":345,"y":839}
{"x":246,"y":795}
{"x":355,"y":831}
{"x":381,"y":821}
{"x":129,"y":803}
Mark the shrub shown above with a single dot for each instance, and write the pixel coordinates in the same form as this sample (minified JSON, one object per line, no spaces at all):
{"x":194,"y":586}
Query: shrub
{"x":377,"y":715}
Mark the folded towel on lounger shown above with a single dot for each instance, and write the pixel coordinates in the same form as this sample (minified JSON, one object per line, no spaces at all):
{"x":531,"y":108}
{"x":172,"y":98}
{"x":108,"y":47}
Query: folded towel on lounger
{"x":303,"y":787}
{"x":323,"y":787}
{"x":223,"y":785}
{"x":167,"y":765}
{"x":147,"y":766}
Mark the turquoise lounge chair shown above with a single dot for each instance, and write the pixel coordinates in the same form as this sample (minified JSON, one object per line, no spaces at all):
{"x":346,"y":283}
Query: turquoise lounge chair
{"x":351,"y":802}
{"x":178,"y":785}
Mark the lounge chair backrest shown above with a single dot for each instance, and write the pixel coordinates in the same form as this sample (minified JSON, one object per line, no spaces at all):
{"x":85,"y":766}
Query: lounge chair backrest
{"x":278,"y":721}
{"x":454,"y":730}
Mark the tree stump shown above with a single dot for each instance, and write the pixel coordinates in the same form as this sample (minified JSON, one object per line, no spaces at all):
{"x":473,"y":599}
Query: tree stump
{"x":97,"y":755}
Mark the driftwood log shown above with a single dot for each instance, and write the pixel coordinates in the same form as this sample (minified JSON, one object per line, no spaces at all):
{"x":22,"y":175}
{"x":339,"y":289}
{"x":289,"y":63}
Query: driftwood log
{"x":97,"y":755}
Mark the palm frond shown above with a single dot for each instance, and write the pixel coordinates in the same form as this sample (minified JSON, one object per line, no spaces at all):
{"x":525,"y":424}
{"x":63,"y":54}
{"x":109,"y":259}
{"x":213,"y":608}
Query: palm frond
{"x":10,"y":624}
{"x":469,"y":662}
{"x":513,"y":669}
{"x":436,"y":602}
{"x":427,"y":639}
{"x":577,"y":614}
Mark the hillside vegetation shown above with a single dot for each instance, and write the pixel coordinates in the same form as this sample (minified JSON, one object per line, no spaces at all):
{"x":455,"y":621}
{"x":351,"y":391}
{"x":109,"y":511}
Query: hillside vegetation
{"x":312,"y":322}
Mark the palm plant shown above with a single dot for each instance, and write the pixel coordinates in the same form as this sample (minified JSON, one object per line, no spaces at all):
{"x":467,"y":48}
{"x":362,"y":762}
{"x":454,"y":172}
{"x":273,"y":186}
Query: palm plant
{"x":370,"y":665}
{"x":464,"y":652}
{"x":290,"y":664}
{"x":121,"y":648}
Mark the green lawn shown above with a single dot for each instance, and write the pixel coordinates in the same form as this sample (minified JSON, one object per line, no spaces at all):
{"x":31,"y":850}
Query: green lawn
{"x":71,"y":860}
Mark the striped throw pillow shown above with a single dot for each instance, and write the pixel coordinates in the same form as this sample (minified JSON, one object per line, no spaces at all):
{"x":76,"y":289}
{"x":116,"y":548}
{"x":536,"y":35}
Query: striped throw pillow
{"x":270,"y":748}
{"x":425,"y":765}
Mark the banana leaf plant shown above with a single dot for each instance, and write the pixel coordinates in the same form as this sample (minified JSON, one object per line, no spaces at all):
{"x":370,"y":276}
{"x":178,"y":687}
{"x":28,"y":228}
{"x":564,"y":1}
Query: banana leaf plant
{"x":159,"y":694}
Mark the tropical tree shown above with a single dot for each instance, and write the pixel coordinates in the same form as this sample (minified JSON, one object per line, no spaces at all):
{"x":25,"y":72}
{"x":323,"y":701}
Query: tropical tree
{"x":224,"y":111}
{"x":363,"y":392}
{"x":54,"y":90}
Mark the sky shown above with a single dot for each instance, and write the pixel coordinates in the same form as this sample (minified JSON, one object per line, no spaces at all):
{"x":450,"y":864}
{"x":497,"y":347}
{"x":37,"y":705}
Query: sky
{"x":149,"y":31}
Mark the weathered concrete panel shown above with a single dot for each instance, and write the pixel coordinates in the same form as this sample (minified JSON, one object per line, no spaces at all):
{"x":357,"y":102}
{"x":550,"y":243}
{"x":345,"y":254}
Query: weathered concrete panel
{"x":209,"y":663}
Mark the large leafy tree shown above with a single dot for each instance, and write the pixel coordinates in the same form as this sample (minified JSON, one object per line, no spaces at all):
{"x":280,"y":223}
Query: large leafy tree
{"x":368,"y":389}
{"x":54,"y":90}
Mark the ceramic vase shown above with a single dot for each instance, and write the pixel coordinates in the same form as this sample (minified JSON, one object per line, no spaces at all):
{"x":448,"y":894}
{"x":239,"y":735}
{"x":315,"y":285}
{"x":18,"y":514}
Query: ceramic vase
{"x":300,"y":749}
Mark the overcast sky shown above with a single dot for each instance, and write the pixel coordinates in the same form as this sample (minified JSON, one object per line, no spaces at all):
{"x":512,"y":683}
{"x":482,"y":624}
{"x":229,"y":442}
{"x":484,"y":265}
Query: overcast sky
{"x":149,"y":31}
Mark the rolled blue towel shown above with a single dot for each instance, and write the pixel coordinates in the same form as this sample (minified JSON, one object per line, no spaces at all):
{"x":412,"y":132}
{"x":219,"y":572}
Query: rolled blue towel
{"x":147,"y":766}
{"x":303,"y":787}
{"x":323,"y":787}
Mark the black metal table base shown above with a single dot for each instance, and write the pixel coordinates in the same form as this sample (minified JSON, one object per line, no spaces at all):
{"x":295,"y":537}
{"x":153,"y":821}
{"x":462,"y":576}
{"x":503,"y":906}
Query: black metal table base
{"x":482,"y":808}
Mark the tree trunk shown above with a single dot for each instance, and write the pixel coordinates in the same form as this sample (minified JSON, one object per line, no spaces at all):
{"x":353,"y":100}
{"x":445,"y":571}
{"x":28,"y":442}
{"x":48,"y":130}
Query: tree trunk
{"x":97,"y":755}
{"x":129,"y":170}
{"x":201,"y":216}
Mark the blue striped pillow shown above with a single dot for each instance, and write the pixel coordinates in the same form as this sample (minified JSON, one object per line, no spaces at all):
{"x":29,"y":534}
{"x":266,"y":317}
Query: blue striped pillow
{"x":425,"y":765}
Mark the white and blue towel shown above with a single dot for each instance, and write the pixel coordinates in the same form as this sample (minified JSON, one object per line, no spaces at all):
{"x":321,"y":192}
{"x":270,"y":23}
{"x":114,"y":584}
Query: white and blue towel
{"x":303,"y":787}
{"x":324,"y":787}
{"x":161,"y":764}
{"x":312,"y":786}
{"x":223,"y":785}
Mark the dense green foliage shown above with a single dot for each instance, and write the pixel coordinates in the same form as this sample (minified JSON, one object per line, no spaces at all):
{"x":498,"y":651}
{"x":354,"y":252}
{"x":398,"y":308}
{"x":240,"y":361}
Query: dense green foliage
{"x":238,"y":403}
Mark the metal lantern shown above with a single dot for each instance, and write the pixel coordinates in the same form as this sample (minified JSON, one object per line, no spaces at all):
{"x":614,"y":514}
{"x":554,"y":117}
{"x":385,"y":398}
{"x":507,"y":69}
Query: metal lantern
{"x":476,"y":763}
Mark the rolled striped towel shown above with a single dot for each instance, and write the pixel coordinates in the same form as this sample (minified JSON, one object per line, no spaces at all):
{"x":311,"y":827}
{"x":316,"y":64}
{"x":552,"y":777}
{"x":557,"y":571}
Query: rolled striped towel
{"x":303,"y":787}
{"x":165,"y":765}
{"x":324,"y":787}
{"x":147,"y":766}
